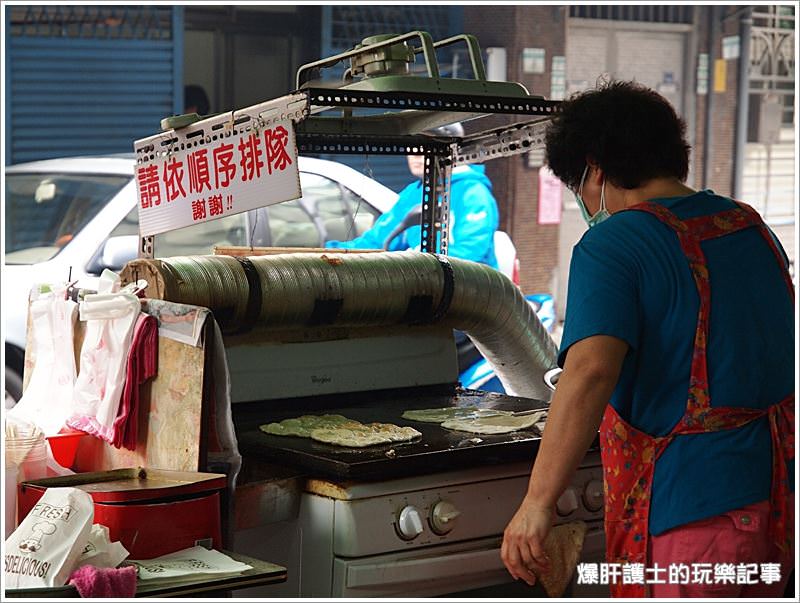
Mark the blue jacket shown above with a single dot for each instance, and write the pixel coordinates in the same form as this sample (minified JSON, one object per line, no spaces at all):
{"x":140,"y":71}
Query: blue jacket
{"x":473,"y":219}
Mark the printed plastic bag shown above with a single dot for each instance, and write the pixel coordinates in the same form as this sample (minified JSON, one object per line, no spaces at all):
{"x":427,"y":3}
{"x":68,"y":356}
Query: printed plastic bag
{"x":111,"y":318}
{"x":187,"y":565}
{"x":47,"y":399}
{"x":44,"y":550}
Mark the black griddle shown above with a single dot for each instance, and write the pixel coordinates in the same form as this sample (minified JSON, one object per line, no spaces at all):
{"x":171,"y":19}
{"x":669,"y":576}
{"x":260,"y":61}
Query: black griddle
{"x":437,"y":450}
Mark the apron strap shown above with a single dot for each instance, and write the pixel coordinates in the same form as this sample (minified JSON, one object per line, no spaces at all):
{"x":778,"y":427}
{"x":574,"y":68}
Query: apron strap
{"x":699,"y":398}
{"x":629,"y":455}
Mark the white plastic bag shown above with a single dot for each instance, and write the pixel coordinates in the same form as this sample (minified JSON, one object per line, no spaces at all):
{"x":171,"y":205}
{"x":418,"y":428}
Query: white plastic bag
{"x":111,"y":318}
{"x":47,"y":400}
{"x":44,"y":550}
{"x":100,"y":551}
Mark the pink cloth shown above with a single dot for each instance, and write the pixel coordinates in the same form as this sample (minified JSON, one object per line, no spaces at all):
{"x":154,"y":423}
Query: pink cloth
{"x":117,"y":583}
{"x":142,"y":364}
{"x":736,"y":537}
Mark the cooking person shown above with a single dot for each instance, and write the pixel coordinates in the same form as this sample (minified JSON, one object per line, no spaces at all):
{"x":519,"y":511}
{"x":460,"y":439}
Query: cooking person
{"x":678,"y":345}
{"x":473,"y":213}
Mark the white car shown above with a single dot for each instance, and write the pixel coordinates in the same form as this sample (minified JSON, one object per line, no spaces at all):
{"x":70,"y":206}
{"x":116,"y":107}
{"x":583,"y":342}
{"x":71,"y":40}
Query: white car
{"x":68,"y":219}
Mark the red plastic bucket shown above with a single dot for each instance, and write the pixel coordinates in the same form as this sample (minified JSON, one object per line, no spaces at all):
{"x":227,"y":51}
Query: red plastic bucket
{"x":64,"y":446}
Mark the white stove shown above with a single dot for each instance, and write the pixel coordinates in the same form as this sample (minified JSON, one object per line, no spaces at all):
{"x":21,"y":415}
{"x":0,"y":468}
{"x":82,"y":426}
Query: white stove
{"x":435,"y":532}
{"x":420,"y":536}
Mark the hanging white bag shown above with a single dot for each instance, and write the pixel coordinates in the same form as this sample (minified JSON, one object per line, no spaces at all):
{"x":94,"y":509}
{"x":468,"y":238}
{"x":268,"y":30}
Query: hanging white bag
{"x":44,"y":550}
{"x":110,"y":320}
{"x":47,"y":400}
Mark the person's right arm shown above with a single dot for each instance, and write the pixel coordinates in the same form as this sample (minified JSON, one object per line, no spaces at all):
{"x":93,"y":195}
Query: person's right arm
{"x":591,"y":371}
{"x":602,"y":327}
{"x":372,"y":239}
{"x":375,"y":237}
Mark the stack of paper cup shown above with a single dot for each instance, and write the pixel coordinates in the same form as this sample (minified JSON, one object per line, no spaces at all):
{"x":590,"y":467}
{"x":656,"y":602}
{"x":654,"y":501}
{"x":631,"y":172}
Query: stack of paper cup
{"x":11,"y":497}
{"x":26,"y":459}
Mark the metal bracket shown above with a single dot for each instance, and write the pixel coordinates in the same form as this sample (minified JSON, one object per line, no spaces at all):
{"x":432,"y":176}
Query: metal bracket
{"x":466,"y":103}
{"x":501,"y":142}
{"x":436,"y":200}
{"x":310,"y":142}
{"x":147,"y":247}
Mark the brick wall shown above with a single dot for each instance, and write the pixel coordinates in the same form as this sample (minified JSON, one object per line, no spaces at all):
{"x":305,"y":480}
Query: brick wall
{"x":723,"y":120}
{"x":515,"y":184}
{"x":701,"y":106}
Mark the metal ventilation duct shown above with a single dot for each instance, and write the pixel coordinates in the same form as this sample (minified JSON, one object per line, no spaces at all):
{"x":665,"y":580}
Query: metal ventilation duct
{"x":304,"y":290}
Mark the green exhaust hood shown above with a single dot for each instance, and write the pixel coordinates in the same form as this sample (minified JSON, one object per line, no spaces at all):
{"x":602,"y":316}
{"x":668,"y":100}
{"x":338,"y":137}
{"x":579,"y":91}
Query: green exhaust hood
{"x":383,"y":64}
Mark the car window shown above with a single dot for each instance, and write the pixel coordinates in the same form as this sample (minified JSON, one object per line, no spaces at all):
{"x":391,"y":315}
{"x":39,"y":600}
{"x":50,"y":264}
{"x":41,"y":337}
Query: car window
{"x":198,"y":239}
{"x":363,"y":213}
{"x":290,"y":225}
{"x":129,"y":225}
{"x":43,"y":212}
{"x":344,"y":214}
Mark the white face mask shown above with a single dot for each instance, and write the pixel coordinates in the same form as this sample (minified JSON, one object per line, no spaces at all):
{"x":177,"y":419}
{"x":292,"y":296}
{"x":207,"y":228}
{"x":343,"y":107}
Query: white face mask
{"x":602,"y":213}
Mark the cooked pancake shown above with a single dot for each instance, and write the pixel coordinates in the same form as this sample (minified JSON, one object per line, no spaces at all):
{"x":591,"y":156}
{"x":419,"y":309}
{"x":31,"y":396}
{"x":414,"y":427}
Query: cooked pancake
{"x":350,"y":438}
{"x":370,"y":434}
{"x":341,"y":431}
{"x":304,"y":425}
{"x":440,"y":415}
{"x":495,"y":424}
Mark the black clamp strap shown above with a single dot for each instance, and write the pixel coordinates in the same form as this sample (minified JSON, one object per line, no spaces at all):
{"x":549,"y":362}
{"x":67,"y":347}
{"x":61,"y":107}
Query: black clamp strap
{"x":255,"y":296}
{"x":447,"y":289}
{"x":420,"y":310}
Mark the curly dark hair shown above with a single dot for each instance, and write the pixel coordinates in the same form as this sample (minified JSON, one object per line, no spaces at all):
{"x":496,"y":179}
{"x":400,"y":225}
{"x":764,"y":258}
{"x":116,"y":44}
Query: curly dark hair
{"x":631,"y":131}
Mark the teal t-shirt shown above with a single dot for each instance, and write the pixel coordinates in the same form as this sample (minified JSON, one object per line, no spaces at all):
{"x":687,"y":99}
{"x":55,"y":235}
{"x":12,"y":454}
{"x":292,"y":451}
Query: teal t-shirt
{"x":630,"y":279}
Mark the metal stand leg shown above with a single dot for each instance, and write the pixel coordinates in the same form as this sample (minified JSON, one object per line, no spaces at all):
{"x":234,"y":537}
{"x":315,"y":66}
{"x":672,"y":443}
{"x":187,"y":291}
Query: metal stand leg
{"x":146,"y":247}
{"x":436,"y":200}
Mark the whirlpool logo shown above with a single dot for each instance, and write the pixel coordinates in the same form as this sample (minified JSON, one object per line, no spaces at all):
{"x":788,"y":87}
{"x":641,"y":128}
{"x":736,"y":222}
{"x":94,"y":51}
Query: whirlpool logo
{"x":317,"y":380}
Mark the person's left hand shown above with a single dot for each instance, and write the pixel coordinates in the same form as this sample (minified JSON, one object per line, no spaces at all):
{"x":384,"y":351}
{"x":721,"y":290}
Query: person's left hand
{"x":523,"y":541}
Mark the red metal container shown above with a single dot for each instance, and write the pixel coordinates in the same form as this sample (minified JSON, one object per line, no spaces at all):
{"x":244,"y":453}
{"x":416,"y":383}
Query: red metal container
{"x":150,"y":511}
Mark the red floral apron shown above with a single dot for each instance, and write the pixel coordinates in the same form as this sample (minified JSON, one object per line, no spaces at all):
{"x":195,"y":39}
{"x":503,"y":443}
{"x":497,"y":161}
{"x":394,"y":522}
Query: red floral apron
{"x":629,"y":455}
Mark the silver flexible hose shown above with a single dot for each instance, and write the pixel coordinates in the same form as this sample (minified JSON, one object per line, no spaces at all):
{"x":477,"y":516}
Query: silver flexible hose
{"x":368,"y":290}
{"x":504,"y":327}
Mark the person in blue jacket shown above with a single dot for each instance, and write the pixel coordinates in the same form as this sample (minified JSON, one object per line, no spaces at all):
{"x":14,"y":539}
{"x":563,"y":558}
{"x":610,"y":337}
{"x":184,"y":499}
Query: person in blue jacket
{"x":473,"y":214}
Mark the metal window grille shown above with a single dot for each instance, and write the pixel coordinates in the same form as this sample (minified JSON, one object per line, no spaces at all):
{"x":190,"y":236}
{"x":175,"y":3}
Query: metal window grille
{"x":647,"y":13}
{"x":134,"y":22}
{"x":346,"y":26}
{"x":772,"y":57}
{"x":351,"y":24}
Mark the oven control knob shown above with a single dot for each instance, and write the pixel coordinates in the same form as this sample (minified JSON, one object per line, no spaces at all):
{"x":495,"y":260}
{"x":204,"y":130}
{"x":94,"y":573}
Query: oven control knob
{"x":593,"y":495}
{"x":443,"y":517}
{"x":567,"y":503}
{"x":409,"y":523}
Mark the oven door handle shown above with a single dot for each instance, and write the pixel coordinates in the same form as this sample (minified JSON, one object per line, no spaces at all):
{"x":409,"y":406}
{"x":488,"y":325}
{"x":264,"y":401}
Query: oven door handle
{"x":435,"y":567}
